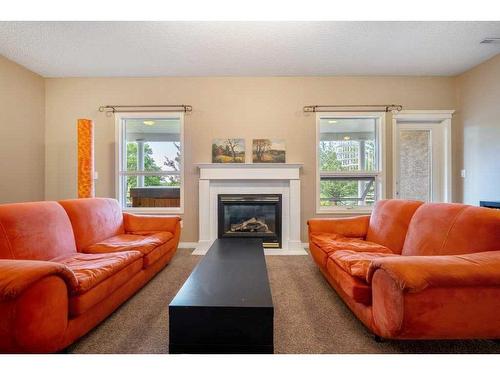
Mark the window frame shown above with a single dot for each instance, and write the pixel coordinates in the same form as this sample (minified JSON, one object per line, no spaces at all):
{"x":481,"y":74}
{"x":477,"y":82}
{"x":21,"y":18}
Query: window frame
{"x":119,"y":153}
{"x":380,"y":175}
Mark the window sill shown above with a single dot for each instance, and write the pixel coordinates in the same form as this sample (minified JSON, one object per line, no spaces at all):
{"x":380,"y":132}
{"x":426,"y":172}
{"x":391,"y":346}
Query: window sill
{"x":154,"y":211}
{"x":345,"y":211}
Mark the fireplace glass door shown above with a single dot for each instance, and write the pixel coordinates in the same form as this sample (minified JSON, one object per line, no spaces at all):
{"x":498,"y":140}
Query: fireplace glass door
{"x":251,"y":215}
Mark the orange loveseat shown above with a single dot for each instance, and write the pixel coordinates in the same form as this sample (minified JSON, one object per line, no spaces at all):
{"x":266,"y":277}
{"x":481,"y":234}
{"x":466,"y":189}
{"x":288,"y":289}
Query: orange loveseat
{"x":65,"y":266}
{"x":414,"y":270}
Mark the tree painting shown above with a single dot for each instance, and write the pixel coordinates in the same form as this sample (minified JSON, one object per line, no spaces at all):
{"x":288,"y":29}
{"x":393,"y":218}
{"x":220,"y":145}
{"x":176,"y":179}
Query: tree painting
{"x":260,"y":147}
{"x":268,"y":151}
{"x":232,"y":144}
{"x":228,"y":150}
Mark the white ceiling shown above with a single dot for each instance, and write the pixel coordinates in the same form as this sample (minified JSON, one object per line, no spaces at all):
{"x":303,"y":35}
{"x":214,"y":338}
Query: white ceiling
{"x":96,"y":49}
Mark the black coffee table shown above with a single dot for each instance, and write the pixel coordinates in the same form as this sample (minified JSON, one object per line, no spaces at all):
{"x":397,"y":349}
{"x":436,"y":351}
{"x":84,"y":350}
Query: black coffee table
{"x":225,"y":306}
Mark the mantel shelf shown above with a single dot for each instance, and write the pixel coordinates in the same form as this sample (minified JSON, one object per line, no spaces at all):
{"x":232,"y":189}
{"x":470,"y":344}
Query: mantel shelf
{"x":250,"y":165}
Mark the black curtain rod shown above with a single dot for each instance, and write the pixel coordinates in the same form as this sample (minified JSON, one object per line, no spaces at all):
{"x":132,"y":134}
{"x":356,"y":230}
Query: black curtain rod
{"x":108,"y":109}
{"x":354,"y":108}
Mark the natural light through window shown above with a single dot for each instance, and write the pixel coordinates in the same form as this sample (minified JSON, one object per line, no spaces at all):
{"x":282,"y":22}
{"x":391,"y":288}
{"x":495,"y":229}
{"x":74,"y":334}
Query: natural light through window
{"x":349,"y":161}
{"x":150,"y":162}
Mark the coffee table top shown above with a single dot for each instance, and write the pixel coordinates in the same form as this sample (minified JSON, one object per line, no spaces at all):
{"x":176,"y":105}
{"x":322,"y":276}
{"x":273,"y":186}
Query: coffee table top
{"x":233,"y":273}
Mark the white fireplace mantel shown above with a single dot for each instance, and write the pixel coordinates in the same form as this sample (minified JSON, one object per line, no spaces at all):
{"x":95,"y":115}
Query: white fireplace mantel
{"x":270,"y":178}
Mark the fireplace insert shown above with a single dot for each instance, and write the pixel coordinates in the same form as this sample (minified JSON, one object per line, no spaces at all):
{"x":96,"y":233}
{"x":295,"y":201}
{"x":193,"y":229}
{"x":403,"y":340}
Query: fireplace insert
{"x":250,"y":215}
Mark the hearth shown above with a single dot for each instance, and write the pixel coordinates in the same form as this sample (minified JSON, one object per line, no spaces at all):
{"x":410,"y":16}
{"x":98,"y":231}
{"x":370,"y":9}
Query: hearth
{"x":250,"y":216}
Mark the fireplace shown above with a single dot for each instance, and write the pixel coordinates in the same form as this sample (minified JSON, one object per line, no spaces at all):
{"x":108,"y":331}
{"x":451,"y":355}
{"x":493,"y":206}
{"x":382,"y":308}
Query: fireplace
{"x":250,"y":215}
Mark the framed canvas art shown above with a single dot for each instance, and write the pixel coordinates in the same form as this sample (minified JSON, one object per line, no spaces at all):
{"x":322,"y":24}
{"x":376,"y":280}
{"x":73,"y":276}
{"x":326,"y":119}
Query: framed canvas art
{"x":228,"y":150}
{"x":268,"y":151}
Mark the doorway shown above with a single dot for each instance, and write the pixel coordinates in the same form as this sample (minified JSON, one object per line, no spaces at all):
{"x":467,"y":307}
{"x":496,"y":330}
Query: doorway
{"x":422,"y":155}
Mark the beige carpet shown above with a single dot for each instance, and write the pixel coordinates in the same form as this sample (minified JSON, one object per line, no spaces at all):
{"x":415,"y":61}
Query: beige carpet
{"x":309,"y":317}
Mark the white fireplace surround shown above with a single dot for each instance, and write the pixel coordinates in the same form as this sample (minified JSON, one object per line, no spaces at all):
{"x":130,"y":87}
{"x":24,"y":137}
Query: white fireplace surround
{"x":270,"y":178}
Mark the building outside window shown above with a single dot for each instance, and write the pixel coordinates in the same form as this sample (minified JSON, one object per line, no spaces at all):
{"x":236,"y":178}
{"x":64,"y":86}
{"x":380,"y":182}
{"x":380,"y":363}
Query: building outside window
{"x":350,"y":163}
{"x":150,"y":162}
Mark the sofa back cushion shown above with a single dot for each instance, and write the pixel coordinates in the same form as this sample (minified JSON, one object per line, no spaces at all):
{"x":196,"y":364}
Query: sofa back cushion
{"x":94,"y":219}
{"x":389,"y":222}
{"x":452,"y":229}
{"x":35,"y":231}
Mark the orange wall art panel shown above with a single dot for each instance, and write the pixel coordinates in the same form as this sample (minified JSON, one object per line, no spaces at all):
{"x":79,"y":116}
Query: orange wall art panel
{"x":85,"y":158}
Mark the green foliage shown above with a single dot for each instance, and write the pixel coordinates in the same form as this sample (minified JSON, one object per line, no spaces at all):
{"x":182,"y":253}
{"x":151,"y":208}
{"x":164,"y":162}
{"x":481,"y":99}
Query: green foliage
{"x":337,"y":189}
{"x":328,"y":157}
{"x":149,"y":166}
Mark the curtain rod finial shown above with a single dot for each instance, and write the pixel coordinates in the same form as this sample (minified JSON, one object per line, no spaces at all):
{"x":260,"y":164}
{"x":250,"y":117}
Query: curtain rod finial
{"x":394,"y":108}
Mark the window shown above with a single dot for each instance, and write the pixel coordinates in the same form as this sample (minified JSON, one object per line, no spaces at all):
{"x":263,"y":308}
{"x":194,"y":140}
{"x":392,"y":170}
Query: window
{"x":350,"y":161}
{"x":150,"y":162}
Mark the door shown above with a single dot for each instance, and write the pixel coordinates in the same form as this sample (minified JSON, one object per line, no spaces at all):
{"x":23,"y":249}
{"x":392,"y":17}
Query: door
{"x":420,"y":162}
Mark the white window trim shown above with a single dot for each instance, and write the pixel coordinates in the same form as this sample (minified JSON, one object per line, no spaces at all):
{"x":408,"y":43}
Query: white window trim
{"x":119,"y":139}
{"x":381,"y":155}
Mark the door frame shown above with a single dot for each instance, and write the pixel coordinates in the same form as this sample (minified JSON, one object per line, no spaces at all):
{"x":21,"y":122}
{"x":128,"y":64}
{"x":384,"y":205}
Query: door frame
{"x":442,"y":117}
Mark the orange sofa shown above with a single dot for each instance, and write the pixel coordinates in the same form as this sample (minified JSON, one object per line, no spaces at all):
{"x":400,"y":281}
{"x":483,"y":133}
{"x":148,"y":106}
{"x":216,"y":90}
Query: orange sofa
{"x":414,"y":270}
{"x":65,"y":266}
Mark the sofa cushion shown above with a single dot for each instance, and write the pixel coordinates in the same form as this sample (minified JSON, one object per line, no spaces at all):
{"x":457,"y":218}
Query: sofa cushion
{"x":127,"y":242}
{"x":81,"y":303}
{"x":452,"y":229}
{"x":353,"y":287}
{"x":159,"y":252}
{"x":94,"y":219}
{"x":35,"y":231}
{"x":389,"y":222}
{"x":328,"y":243}
{"x":355,"y":263}
{"x":92,"y":269}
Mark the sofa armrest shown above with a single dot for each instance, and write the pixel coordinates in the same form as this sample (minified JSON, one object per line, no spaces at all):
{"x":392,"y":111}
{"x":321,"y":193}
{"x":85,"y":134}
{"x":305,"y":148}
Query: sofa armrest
{"x":34,"y":304}
{"x":350,"y":226}
{"x":18,"y":275}
{"x":416,"y":273}
{"x":145,"y":224}
{"x":436,"y":297}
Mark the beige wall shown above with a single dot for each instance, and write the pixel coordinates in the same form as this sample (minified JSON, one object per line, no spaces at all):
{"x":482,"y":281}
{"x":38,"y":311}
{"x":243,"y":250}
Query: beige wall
{"x":230,"y":107}
{"x":222,"y":107}
{"x":22,"y":156}
{"x":479,"y":122}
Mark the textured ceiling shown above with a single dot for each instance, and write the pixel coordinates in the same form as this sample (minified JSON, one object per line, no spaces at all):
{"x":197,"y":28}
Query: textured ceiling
{"x":93,"y":49}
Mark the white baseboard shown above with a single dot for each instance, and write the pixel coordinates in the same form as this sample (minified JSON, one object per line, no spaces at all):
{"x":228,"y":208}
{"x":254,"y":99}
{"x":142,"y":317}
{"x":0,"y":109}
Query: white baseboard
{"x":284,"y":252}
{"x":188,"y":245}
{"x":201,"y":248}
